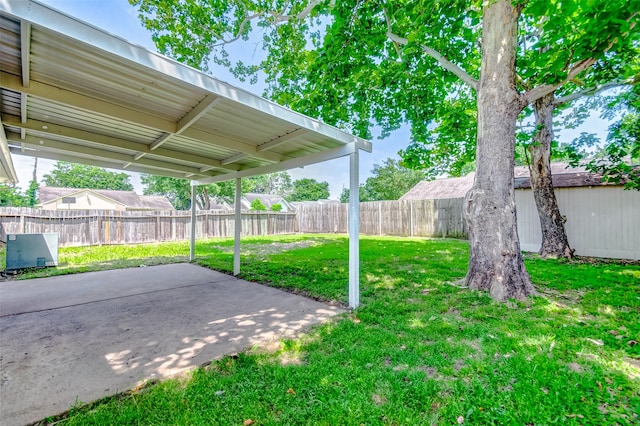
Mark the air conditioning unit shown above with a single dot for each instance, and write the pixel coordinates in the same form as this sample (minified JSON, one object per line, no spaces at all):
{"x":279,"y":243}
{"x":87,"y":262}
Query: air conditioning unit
{"x":31,"y":251}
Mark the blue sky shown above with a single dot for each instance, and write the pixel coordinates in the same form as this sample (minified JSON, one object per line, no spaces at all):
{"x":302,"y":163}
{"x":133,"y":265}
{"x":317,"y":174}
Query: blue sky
{"x":120,"y":18}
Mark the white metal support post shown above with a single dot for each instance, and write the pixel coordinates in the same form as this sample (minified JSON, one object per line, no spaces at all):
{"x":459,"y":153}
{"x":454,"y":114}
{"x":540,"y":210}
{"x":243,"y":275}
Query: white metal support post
{"x":192,"y":235}
{"x":354,"y":230}
{"x":237,"y":227}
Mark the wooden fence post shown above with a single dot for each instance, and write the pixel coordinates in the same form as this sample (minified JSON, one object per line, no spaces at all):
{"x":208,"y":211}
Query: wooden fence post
{"x":118,"y":227}
{"x":99,"y":229}
{"x":411,"y":216}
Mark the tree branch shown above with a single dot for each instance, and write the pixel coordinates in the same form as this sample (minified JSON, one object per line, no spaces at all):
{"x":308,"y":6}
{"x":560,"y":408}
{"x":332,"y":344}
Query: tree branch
{"x":545,"y":89}
{"x":281,"y":17}
{"x":542,"y":90}
{"x":444,"y":62}
{"x":238,"y":35}
{"x":395,"y":43}
{"x":595,"y":89}
{"x":278,"y":18}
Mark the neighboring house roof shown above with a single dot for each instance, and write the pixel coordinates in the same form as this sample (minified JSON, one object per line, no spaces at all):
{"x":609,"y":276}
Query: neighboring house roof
{"x":297,"y":204}
{"x":128,"y":199}
{"x":217,"y":203}
{"x":48,"y":193}
{"x":156,"y":202}
{"x":563,"y":176}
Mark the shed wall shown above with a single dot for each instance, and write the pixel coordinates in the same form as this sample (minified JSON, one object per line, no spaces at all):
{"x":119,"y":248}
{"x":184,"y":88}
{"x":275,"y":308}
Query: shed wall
{"x":601,"y":221}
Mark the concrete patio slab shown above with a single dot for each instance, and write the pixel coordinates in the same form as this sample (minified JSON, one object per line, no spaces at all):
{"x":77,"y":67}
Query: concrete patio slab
{"x":79,"y":338}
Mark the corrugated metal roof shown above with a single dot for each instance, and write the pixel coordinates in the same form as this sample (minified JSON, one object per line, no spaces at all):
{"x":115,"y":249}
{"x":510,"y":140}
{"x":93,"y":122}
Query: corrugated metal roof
{"x":73,"y":92}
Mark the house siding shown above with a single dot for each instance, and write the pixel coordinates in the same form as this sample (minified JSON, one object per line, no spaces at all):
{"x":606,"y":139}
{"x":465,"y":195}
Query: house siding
{"x":84,"y":201}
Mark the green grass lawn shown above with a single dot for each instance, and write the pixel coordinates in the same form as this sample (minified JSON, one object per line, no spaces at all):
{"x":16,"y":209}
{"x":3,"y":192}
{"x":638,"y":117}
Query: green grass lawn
{"x":418,"y":351}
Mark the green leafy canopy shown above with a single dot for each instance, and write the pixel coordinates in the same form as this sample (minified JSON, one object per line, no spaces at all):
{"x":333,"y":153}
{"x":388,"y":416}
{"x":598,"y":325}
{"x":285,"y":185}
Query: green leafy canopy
{"x":71,"y":175}
{"x":338,"y":61}
{"x":306,"y":189}
{"x":388,"y":181}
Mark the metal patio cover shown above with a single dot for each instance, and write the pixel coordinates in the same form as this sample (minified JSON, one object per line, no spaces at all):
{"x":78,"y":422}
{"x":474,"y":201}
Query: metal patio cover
{"x":73,"y":92}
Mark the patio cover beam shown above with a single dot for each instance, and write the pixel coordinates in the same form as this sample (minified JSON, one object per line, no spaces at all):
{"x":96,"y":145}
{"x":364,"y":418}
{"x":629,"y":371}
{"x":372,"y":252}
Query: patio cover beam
{"x":5,"y":158}
{"x":45,"y":129}
{"x":92,"y":161}
{"x":314,"y":158}
{"x":57,"y":146}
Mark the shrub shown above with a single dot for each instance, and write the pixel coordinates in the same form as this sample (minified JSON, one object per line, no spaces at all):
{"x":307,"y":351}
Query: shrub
{"x":258,"y":205}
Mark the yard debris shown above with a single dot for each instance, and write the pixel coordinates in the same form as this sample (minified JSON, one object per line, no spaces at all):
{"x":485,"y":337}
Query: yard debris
{"x":571,"y":416}
{"x":379,"y":399}
{"x":575,"y":367}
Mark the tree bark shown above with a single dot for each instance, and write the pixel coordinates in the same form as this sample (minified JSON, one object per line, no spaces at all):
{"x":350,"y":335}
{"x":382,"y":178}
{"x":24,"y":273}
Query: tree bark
{"x":205,"y":201}
{"x":496,"y":263}
{"x":554,"y":238}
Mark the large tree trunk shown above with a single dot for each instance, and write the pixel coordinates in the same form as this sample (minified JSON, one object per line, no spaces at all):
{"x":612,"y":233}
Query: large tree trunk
{"x":554,"y":237}
{"x":496,"y":263}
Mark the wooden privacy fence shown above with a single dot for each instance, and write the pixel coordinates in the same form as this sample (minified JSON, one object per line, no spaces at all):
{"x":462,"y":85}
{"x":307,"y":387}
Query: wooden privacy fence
{"x":601,"y":222}
{"x":96,"y":227}
{"x":420,"y":218}
{"x":411,"y":218}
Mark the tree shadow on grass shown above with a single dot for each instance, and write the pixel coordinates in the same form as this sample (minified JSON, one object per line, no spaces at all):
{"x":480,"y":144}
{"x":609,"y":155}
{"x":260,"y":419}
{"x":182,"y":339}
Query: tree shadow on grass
{"x":569,"y":352}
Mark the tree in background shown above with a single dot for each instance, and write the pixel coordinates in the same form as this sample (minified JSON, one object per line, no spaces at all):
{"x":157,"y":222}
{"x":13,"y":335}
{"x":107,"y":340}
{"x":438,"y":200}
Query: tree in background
{"x":272,"y":183}
{"x":353,"y":64}
{"x":277,"y":207}
{"x":71,"y":175}
{"x":178,"y":191}
{"x":32,"y":193}
{"x":389,"y":181}
{"x":10,"y":196}
{"x":309,"y":190}
{"x":258,"y":205}
{"x":363,"y":196}
{"x":619,"y":160}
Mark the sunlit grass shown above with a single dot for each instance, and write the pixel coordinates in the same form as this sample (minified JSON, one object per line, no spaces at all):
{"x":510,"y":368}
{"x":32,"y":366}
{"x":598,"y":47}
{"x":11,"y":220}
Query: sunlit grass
{"x":418,"y":351}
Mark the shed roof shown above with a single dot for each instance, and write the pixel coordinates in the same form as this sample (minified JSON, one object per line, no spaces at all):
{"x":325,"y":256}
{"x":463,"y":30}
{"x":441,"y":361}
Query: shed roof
{"x":456,"y":187}
{"x":563,"y":176}
{"x":70,"y":91}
